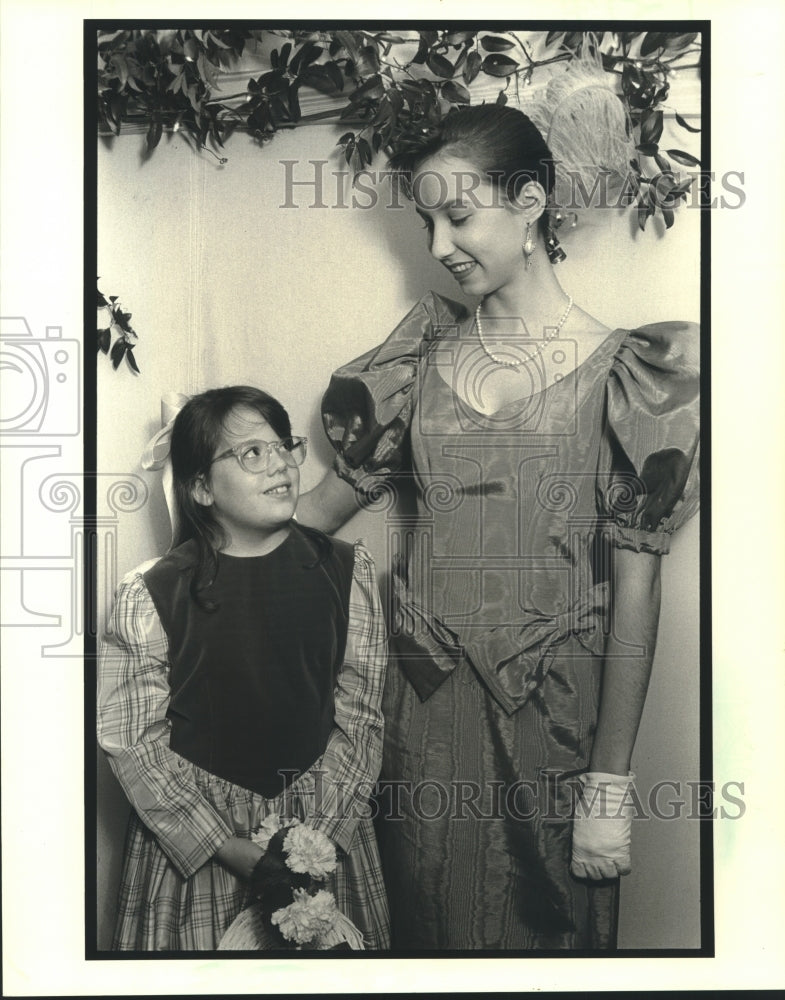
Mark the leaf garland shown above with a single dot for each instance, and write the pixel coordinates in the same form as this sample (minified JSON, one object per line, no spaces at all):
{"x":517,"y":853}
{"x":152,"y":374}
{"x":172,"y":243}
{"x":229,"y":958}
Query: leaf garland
{"x":166,"y":80}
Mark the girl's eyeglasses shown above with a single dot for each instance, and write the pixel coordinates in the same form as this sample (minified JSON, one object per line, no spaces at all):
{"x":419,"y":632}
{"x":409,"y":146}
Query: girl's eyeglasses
{"x":254,"y":456}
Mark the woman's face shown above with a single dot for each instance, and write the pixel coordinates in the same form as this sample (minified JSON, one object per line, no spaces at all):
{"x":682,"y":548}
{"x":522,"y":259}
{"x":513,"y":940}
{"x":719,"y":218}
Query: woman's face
{"x":250,"y":507}
{"x":472,"y":229}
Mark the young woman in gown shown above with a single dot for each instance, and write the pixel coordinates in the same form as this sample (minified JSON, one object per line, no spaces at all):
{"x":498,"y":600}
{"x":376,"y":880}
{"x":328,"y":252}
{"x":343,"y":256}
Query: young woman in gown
{"x":551,"y":459}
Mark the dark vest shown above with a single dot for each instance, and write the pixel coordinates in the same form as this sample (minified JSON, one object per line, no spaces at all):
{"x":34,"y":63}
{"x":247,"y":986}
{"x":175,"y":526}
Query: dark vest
{"x":252,"y":683}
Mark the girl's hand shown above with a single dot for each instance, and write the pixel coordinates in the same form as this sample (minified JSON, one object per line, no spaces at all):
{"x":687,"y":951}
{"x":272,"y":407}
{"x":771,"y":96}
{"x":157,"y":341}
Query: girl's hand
{"x":240,"y":856}
{"x":602,"y":826}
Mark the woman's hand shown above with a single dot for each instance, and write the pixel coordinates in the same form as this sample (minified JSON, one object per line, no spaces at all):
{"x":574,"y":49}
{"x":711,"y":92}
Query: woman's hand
{"x":328,"y":505}
{"x":602,"y":826}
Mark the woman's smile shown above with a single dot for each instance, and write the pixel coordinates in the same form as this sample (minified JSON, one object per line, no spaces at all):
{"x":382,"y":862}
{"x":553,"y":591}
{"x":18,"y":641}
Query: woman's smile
{"x":462,"y":268}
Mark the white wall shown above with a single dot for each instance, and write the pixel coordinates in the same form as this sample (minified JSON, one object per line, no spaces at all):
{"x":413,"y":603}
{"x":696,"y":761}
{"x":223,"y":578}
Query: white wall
{"x":226,"y":286}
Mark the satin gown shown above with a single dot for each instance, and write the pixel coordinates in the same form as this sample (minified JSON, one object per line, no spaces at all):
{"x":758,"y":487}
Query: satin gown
{"x":501,"y":586}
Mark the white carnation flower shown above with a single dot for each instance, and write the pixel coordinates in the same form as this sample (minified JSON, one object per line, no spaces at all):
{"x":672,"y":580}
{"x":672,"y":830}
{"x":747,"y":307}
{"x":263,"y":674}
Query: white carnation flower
{"x":309,"y":852}
{"x":269,"y":826}
{"x":308,"y":918}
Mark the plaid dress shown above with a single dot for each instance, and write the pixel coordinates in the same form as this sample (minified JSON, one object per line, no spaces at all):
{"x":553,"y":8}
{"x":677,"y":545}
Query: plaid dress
{"x":174,"y":895}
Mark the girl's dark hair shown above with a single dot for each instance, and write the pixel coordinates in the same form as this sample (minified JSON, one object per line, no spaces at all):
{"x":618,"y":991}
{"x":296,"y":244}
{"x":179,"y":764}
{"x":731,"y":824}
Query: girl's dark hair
{"x":196,"y":435}
{"x":503,"y":142}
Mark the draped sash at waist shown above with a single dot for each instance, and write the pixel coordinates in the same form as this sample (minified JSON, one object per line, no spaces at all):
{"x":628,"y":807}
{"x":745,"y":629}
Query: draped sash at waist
{"x":512,"y":660}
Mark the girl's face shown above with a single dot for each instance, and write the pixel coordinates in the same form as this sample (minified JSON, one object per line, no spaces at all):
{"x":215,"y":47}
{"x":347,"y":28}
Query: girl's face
{"x":472,"y":229}
{"x":252,"y":508}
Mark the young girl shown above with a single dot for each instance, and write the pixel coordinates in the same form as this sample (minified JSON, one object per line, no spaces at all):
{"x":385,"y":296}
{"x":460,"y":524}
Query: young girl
{"x":241,"y":679}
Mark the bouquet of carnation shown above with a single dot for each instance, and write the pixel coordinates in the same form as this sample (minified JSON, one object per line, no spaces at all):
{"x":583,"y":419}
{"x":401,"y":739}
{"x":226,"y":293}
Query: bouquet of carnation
{"x":293,"y":908}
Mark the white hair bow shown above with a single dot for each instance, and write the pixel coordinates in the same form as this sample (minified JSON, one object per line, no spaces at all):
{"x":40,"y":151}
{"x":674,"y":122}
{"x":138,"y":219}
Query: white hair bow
{"x":157,"y":453}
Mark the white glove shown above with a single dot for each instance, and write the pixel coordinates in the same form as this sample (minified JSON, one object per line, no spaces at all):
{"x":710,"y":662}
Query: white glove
{"x":601,"y":826}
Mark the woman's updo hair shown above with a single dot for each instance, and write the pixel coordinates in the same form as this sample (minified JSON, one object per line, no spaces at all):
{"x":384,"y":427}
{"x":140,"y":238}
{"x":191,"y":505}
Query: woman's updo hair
{"x":503,"y":142}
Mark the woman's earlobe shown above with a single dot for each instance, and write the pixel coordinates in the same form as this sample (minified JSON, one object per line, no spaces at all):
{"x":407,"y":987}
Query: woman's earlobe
{"x":532,"y":200}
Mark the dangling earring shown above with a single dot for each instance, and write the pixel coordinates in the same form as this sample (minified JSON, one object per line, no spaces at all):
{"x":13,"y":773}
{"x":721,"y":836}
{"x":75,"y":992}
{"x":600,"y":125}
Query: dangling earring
{"x":553,"y":248}
{"x":528,"y":246}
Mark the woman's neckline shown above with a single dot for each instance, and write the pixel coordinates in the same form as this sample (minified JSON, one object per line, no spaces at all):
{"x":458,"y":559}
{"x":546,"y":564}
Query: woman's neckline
{"x":597,"y":353}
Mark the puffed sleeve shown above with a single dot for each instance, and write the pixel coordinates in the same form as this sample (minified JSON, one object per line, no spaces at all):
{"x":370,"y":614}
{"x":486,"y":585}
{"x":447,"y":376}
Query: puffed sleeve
{"x":368,"y":406}
{"x":647,"y":482}
{"x":133,"y":731}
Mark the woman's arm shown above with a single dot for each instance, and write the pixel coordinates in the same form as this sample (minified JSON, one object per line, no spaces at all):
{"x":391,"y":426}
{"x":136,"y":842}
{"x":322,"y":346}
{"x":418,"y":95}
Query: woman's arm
{"x":329,"y":504}
{"x":603,"y":817}
{"x":635,"y":613}
{"x":352,"y":759}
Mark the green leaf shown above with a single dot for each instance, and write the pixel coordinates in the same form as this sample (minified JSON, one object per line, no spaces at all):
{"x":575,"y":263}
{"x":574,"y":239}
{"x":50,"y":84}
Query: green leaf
{"x":684,"y":158}
{"x":118,"y":352}
{"x":104,"y":339}
{"x":319,"y":79}
{"x":440,"y":66}
{"x":651,"y":129}
{"x":364,"y":149}
{"x":551,"y":37}
{"x":674,"y":42}
{"x":456,"y":38}
{"x":369,"y":60}
{"x":308,"y":54}
{"x":684,"y":124}
{"x":395,"y":98}
{"x":373,"y":88}
{"x":501,"y":98}
{"x":473,"y":64}
{"x":667,"y":214}
{"x":121,"y":66}
{"x":129,"y":357}
{"x":493,"y":43}
{"x":101,"y":300}
{"x":498,"y":65}
{"x":294,"y":103}
{"x":455,"y":93}
{"x":654,"y":40}
{"x":648,"y":148}
{"x":662,"y":163}
{"x":333,"y":70}
{"x":384,"y":112}
{"x":191,"y":49}
{"x":422,"y":52}
{"x":681,"y":189}
{"x":121,"y":318}
{"x":154,"y":134}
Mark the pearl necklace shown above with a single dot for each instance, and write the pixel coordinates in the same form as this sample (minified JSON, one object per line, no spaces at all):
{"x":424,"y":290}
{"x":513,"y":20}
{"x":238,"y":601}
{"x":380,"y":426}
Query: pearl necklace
{"x":529,"y":357}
